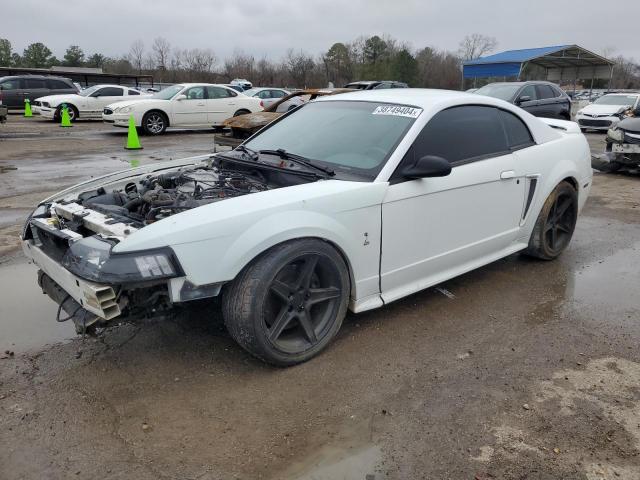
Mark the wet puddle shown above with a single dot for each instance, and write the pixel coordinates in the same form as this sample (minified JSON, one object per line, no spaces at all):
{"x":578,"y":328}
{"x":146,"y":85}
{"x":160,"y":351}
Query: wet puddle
{"x":332,"y":463}
{"x":27,"y":316}
{"x":611,"y":283}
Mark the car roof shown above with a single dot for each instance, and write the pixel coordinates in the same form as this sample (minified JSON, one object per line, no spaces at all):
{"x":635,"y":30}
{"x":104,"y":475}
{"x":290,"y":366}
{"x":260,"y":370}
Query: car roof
{"x":419,"y":97}
{"x":28,"y":75}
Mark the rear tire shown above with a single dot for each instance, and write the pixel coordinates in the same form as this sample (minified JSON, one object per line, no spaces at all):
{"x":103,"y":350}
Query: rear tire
{"x":288,"y":304}
{"x":241,"y":112}
{"x":555,"y":224}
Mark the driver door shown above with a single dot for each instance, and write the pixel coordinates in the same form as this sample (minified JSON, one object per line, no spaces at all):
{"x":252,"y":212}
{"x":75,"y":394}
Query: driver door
{"x":436,"y":228}
{"x":103,"y":97}
{"x":190,"y":111}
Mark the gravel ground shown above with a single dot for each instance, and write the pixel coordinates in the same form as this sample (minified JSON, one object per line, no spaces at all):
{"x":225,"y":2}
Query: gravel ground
{"x":521,"y":369}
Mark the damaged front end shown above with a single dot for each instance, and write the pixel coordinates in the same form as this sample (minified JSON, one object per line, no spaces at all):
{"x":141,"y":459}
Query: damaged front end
{"x":622,"y":150}
{"x":71,"y":238}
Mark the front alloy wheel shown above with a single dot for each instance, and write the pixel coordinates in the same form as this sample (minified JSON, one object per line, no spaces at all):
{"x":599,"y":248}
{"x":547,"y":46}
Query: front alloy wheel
{"x":154,"y":123}
{"x":287,"y":306}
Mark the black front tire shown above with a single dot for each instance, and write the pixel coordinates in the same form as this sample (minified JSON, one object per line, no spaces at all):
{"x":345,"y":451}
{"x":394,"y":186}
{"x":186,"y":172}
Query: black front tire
{"x":288,"y":304}
{"x":555,"y":224}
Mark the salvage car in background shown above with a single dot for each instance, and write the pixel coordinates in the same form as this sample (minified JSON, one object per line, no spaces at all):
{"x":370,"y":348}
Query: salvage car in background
{"x":349,"y":202}
{"x":247,"y":125}
{"x":87,"y":104}
{"x":268,"y":95}
{"x":623,"y":147}
{"x":607,"y":110}
{"x":542,"y":99}
{"x":14,"y":90}
{"x":185,"y":105}
{"x":375,"y":84}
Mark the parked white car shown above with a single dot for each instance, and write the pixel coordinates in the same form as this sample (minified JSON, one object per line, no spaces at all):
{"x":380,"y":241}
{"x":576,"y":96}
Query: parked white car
{"x":350,"y":202}
{"x":268,"y":95}
{"x":87,"y":104}
{"x":182,"y":105}
{"x":606,"y":111}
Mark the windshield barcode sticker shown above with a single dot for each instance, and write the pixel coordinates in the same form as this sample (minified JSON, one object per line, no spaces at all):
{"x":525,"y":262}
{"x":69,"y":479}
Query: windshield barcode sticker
{"x":398,"y":111}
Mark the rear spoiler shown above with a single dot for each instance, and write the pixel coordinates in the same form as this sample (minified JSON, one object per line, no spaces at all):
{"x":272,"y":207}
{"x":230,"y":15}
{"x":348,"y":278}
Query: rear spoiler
{"x":564,"y":126}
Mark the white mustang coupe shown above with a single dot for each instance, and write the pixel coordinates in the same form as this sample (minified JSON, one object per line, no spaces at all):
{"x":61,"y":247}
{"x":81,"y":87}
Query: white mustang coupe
{"x":87,"y":104}
{"x":348,"y":202}
{"x":182,"y":105}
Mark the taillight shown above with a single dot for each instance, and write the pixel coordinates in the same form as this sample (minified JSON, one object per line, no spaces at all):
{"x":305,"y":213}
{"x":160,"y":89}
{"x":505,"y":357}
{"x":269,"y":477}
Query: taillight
{"x":261,"y":103}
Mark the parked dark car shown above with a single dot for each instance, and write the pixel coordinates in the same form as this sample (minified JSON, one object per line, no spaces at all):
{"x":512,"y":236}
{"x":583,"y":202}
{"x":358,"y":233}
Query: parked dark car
{"x":14,"y":90}
{"x":542,"y":99}
{"x":376,"y":84}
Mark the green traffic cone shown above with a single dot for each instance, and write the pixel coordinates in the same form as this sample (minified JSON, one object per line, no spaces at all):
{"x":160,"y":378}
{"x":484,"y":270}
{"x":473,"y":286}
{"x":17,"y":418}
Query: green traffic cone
{"x":27,"y":108}
{"x":133,"y":143}
{"x":66,"y":121}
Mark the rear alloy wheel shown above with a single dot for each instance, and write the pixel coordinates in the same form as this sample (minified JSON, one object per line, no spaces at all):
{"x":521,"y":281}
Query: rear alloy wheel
{"x":154,"y":123}
{"x":555,"y":224}
{"x":286,"y":306}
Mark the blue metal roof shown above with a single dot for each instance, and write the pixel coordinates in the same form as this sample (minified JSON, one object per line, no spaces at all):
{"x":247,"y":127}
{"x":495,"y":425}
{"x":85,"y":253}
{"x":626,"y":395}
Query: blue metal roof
{"x":517,"y":56}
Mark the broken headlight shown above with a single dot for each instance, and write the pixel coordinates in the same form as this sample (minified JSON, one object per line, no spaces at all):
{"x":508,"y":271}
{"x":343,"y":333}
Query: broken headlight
{"x":615,"y":134}
{"x":91,"y":258}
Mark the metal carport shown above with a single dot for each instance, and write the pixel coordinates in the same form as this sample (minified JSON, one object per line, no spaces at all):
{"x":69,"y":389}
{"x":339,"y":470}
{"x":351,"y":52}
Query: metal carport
{"x":561,"y":62}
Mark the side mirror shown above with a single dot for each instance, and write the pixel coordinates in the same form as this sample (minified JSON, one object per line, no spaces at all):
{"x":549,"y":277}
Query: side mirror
{"x":181,"y":97}
{"x":523,"y":98}
{"x":427,"y":166}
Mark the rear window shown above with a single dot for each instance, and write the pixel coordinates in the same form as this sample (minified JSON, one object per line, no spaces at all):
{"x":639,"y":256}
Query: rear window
{"x":518,"y":134}
{"x":134,"y":92}
{"x":13,"y":84}
{"x":35,"y":83}
{"x":59,"y":85}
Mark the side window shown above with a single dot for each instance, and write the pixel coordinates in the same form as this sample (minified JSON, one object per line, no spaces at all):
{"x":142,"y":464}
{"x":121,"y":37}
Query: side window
{"x":108,"y":92}
{"x":518,"y":134}
{"x":219,"y":92}
{"x":195,"y":93}
{"x":545,"y":91}
{"x":10,"y":84}
{"x":264,"y":94}
{"x":557,"y":91}
{"x":134,"y":92}
{"x":277,"y":94}
{"x":461,"y":134}
{"x":35,"y":83}
{"x":58,"y":85}
{"x":529,"y":91}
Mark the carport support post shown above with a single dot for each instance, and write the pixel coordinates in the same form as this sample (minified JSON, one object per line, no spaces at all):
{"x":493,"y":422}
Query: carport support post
{"x":610,"y":76}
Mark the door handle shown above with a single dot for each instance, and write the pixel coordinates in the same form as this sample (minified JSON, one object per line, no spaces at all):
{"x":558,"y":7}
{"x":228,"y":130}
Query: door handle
{"x":201,"y":104}
{"x":507,"y":174}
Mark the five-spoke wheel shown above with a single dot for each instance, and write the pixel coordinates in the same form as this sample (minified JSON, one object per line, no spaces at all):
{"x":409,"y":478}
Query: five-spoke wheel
{"x":287,"y":305}
{"x":555,"y":224}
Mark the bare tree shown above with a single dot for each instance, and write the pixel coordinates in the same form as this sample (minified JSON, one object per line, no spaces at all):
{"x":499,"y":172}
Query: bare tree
{"x":299,"y":65}
{"x":161,"y":51}
{"x":136,"y":55}
{"x":476,"y":45}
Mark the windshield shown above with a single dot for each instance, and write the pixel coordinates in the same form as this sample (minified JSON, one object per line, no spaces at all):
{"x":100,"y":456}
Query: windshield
{"x":168,"y":93}
{"x":616,"y":100}
{"x":353,"y":138}
{"x":88,"y":91}
{"x":503,"y":92}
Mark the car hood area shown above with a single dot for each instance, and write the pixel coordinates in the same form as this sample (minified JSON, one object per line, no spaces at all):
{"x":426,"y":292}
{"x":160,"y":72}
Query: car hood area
{"x":58,"y":99}
{"x":603,"y":109}
{"x":251,"y":121}
{"x":630,"y":125}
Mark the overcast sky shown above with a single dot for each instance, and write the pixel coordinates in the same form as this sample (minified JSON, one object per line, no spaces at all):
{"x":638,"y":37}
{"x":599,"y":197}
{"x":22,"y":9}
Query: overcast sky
{"x":270,"y":27}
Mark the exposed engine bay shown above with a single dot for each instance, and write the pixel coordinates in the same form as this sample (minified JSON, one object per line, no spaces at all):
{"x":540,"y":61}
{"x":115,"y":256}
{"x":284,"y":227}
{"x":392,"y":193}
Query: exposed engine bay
{"x":71,"y":237}
{"x":155,"y":197}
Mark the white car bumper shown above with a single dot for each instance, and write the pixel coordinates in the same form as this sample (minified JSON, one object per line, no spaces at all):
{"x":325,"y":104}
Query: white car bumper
{"x":596,"y":123}
{"x":46,"y":112}
{"x":93,"y":297}
{"x":117,"y":119}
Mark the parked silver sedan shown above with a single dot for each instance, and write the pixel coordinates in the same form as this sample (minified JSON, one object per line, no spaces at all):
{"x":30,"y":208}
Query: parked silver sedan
{"x":267,"y":95}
